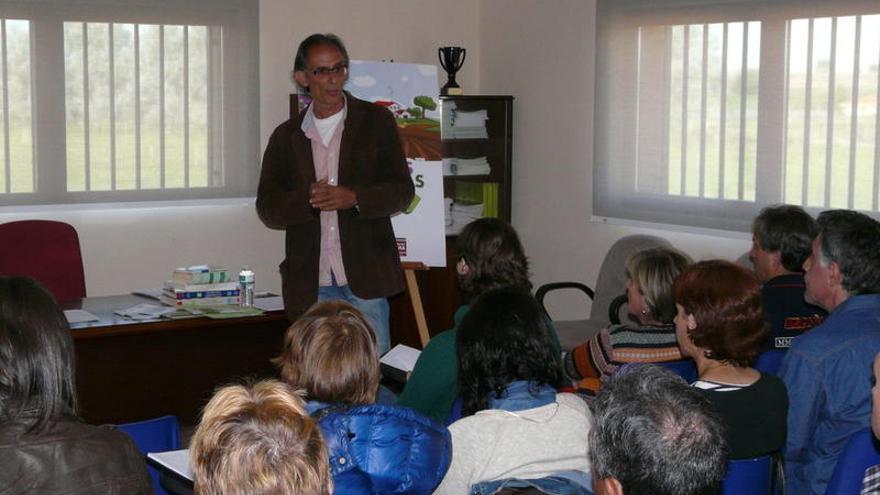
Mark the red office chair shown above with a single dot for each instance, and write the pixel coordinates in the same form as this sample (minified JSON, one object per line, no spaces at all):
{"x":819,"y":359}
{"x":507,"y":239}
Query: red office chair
{"x":45,"y":251}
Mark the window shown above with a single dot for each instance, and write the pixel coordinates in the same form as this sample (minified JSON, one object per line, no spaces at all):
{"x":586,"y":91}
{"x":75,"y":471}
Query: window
{"x":831,"y":131}
{"x":708,"y":111}
{"x":128,"y":100}
{"x":17,"y":116}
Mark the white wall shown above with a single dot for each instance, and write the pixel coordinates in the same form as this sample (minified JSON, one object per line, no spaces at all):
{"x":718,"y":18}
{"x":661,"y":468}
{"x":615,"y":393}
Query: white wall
{"x":129,"y":248}
{"x":542,"y":53}
{"x":402,"y":30}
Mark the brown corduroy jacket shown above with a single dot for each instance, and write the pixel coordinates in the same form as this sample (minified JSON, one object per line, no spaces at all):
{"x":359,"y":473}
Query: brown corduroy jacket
{"x":372,"y":163}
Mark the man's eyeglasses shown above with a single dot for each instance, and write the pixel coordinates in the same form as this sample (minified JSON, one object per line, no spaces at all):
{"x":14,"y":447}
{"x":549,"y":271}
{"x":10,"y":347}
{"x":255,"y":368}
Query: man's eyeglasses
{"x":324,"y":72}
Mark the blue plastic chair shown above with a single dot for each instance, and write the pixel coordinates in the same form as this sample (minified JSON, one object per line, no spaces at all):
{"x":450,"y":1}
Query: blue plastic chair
{"x":684,"y":368}
{"x":154,"y":435}
{"x":862,"y":451}
{"x":455,"y":413}
{"x":769,"y":361}
{"x":748,"y":476}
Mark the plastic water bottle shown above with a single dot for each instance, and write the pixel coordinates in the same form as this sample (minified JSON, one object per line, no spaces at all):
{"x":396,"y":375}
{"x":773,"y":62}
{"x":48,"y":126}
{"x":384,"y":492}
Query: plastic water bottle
{"x":246,"y":281}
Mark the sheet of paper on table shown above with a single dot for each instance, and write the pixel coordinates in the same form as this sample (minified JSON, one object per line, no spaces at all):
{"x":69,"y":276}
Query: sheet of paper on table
{"x":152,"y":293}
{"x":269,"y":303}
{"x":79,"y":316}
{"x":145,"y":311}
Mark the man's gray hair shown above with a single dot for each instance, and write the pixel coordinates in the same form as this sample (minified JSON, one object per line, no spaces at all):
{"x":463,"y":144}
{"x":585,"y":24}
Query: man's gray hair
{"x":656,"y":435}
{"x":789,"y":230}
{"x":852,"y":240}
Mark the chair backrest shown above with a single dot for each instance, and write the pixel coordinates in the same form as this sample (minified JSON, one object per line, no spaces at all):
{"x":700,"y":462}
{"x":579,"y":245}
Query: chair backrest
{"x":46,"y":251}
{"x":769,"y":361}
{"x":684,"y":368}
{"x":752,"y":476}
{"x":455,"y":413}
{"x":154,"y":435}
{"x":614,"y":311}
{"x":612,"y":274}
{"x":861,"y":452}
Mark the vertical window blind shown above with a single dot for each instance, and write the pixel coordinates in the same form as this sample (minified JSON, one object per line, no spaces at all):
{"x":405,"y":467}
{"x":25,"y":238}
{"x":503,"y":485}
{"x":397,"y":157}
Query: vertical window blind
{"x":130,"y":100}
{"x":709,"y":110}
{"x":16,"y":108}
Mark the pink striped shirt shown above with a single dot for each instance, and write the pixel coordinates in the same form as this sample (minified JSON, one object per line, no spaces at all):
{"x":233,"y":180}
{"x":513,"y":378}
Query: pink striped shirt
{"x":326,"y":160}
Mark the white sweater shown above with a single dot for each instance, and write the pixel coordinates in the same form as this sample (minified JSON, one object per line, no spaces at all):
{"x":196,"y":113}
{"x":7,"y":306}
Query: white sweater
{"x":534,"y":443}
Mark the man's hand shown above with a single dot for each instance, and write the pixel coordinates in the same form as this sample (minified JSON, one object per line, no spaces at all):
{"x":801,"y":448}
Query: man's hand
{"x":325,"y":197}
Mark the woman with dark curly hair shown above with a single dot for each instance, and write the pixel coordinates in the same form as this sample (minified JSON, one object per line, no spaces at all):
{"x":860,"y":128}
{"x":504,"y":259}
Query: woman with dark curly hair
{"x":490,"y":256}
{"x":516,"y":430}
{"x":720,"y":324}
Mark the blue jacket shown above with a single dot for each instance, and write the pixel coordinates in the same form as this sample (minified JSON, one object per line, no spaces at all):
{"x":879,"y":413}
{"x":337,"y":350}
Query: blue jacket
{"x":828,"y":375}
{"x":379,"y":449}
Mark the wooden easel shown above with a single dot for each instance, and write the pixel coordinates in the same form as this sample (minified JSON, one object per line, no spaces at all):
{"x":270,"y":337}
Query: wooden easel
{"x":412,"y":287}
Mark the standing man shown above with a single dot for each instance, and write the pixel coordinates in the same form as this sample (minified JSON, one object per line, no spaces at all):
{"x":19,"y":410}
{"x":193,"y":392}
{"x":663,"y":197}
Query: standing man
{"x":828,"y":369}
{"x":782,"y":237}
{"x":331,"y":178}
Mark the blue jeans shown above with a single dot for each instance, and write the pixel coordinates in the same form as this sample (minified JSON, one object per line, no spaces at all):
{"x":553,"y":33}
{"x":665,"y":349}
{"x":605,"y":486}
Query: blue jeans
{"x":376,"y":311}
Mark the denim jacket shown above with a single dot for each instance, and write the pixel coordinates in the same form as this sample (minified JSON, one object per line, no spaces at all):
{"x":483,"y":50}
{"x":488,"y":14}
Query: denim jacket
{"x":564,"y":483}
{"x":522,"y":395}
{"x":828,"y":375}
{"x":519,"y":396}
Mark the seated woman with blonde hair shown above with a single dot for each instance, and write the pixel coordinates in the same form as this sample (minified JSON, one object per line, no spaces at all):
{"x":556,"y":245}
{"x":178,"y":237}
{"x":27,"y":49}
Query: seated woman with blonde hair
{"x":330,"y":352}
{"x":720,"y":323}
{"x":650,"y":337}
{"x":259,"y":440}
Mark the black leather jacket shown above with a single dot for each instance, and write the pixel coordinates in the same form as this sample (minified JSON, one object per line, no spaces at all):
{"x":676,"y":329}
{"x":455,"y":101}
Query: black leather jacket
{"x":71,"y":458}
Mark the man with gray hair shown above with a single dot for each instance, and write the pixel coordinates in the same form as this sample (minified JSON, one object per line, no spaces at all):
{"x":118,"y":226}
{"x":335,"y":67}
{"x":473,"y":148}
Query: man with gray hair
{"x":828,"y":370}
{"x":655,"y":435}
{"x":782,"y":236}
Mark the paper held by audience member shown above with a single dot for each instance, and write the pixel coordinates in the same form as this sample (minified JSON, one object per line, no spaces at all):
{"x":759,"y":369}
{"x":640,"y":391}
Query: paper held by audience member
{"x":176,"y":461}
{"x":79,"y":316}
{"x":402,"y":357}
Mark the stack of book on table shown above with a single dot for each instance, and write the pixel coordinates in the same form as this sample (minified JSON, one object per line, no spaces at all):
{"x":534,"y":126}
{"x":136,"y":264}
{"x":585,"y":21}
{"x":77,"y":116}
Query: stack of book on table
{"x":199,"y":286}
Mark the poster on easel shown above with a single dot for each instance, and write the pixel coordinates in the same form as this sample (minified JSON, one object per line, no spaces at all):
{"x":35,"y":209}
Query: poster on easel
{"x":412,"y":94}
